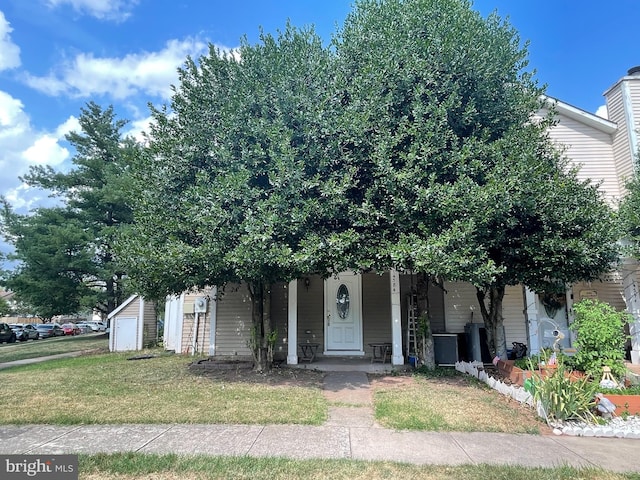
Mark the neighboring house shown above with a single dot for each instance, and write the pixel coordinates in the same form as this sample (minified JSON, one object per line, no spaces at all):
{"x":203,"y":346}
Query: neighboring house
{"x":345,"y":316}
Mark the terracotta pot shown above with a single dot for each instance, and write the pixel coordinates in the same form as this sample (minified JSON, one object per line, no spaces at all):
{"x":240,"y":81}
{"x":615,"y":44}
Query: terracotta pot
{"x":625,"y":403}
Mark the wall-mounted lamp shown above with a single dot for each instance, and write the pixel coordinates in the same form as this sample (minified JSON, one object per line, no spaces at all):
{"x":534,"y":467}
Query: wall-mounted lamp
{"x":307,"y":283}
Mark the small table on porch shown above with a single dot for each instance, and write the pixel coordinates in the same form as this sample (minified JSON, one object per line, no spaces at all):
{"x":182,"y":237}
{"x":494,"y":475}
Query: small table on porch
{"x":380,"y":351}
{"x":309,"y":351}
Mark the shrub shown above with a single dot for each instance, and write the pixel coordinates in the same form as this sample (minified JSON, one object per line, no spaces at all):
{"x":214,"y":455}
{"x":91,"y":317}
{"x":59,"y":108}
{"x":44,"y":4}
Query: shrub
{"x":600,"y":338}
{"x":563,"y":398}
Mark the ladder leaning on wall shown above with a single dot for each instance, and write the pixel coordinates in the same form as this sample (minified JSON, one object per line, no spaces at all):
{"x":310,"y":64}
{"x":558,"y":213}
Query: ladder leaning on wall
{"x":412,"y":325}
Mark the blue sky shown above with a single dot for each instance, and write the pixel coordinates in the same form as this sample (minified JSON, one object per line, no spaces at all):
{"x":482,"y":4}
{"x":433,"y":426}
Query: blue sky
{"x":55,"y":55}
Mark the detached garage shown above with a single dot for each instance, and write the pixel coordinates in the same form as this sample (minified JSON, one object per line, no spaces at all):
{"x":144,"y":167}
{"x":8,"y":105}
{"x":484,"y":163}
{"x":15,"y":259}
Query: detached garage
{"x":133,"y":325}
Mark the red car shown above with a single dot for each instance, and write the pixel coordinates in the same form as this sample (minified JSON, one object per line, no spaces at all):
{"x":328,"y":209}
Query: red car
{"x":70,"y":329}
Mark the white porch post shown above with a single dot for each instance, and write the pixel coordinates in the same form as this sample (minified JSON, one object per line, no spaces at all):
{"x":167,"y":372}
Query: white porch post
{"x":533,"y":316}
{"x":213,"y":319}
{"x":630,"y":286}
{"x":397,"y":358}
{"x":292,"y":325}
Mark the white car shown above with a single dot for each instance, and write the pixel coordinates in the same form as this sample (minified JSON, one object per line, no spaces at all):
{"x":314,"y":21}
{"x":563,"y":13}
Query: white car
{"x":97,"y":326}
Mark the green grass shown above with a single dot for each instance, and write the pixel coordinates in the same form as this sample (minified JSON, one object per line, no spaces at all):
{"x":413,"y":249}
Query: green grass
{"x":128,"y":466}
{"x":448,"y":401}
{"x":109,"y":389}
{"x":10,"y":352}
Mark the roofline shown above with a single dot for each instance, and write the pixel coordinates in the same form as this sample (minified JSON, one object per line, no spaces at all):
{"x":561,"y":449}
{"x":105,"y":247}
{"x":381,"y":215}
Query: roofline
{"x":623,"y":79}
{"x":580,"y":115}
{"x":122,"y":306}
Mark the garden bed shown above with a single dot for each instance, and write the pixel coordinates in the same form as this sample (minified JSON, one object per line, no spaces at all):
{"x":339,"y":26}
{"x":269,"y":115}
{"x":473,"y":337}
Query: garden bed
{"x":514,"y":375}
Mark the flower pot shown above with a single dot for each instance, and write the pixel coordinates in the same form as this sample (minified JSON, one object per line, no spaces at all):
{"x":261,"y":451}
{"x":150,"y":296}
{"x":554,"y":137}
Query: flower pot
{"x":626,"y":404}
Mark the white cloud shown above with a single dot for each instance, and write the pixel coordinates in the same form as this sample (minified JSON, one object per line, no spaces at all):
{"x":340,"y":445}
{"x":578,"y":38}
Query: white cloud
{"x":151,"y":73}
{"x":117,"y":10}
{"x":9,"y":51}
{"x":71,"y":124}
{"x":22,"y":146}
{"x":137,"y":128}
{"x":45,"y":151}
{"x":602,"y":112}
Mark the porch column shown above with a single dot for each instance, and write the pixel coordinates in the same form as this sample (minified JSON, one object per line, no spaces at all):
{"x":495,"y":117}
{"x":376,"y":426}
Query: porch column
{"x":397,"y":357}
{"x":292,"y":323}
{"x":213,"y":320}
{"x":630,"y":287}
{"x":532,"y":313}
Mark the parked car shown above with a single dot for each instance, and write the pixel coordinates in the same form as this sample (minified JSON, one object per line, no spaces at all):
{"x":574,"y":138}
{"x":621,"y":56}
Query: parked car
{"x":84,"y":328}
{"x":96,"y":326}
{"x":24,"y":332}
{"x":70,"y":329}
{"x":47,"y":330}
{"x":31,"y":332}
{"x":6,"y":334}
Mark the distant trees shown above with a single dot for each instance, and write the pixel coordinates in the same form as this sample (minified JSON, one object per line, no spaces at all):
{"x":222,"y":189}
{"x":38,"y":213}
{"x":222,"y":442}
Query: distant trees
{"x":64,"y":255}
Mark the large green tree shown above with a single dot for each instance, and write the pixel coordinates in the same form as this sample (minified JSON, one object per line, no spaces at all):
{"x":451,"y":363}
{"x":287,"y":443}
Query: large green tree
{"x":65,"y":254}
{"x":455,"y":179}
{"x":237,"y":183}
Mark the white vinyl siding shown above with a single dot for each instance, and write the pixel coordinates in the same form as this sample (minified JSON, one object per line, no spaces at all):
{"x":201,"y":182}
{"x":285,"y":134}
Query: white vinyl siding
{"x":515,"y":323}
{"x":621,"y":148}
{"x":590,"y":149}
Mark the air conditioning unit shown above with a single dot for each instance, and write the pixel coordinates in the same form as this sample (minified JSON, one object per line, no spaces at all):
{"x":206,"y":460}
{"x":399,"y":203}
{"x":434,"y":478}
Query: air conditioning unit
{"x":200,"y":305}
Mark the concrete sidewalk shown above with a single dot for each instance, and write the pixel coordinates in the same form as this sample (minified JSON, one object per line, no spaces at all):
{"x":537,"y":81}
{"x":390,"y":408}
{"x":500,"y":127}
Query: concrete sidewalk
{"x":328,"y":441}
{"x":350,"y":433}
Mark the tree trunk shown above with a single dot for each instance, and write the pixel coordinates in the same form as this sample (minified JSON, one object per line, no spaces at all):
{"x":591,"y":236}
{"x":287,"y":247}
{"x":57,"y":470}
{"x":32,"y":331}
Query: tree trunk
{"x":261,"y":341}
{"x":493,"y":320}
{"x":426,"y":350}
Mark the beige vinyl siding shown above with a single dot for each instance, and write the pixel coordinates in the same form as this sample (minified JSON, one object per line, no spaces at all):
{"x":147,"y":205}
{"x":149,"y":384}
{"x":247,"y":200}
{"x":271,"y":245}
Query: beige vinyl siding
{"x":590,"y":149}
{"x":461,"y":305}
{"x":311,"y":311}
{"x":279,"y":307}
{"x":189,"y":325}
{"x":233,"y":321}
{"x":149,"y":325}
{"x":621,"y":148}
{"x":436,"y":303}
{"x":376,"y":309}
{"x":609,"y":290}
{"x":515,"y":323}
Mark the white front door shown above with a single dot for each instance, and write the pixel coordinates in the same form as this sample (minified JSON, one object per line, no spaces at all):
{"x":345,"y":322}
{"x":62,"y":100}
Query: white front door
{"x":343,"y":315}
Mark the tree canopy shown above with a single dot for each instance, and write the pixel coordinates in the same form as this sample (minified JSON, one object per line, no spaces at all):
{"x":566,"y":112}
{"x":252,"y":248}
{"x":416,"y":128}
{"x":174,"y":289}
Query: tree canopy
{"x":457,"y":178}
{"x":65,"y":254}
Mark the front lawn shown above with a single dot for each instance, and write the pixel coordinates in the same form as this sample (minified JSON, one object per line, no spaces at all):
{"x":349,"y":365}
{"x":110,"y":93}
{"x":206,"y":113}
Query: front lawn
{"x":110,"y":389}
{"x":445,"y":400}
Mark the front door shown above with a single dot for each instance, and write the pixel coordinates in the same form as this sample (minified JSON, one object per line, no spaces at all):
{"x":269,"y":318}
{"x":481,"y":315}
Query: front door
{"x":343,"y":315}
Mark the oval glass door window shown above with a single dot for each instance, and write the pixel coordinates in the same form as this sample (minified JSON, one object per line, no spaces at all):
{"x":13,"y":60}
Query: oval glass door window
{"x":342,"y":301}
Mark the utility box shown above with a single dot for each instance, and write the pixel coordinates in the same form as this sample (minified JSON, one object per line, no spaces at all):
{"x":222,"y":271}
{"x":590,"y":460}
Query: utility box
{"x":477,"y":350}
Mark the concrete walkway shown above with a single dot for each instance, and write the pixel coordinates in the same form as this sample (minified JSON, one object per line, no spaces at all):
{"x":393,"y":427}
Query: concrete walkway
{"x":350,"y":433}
